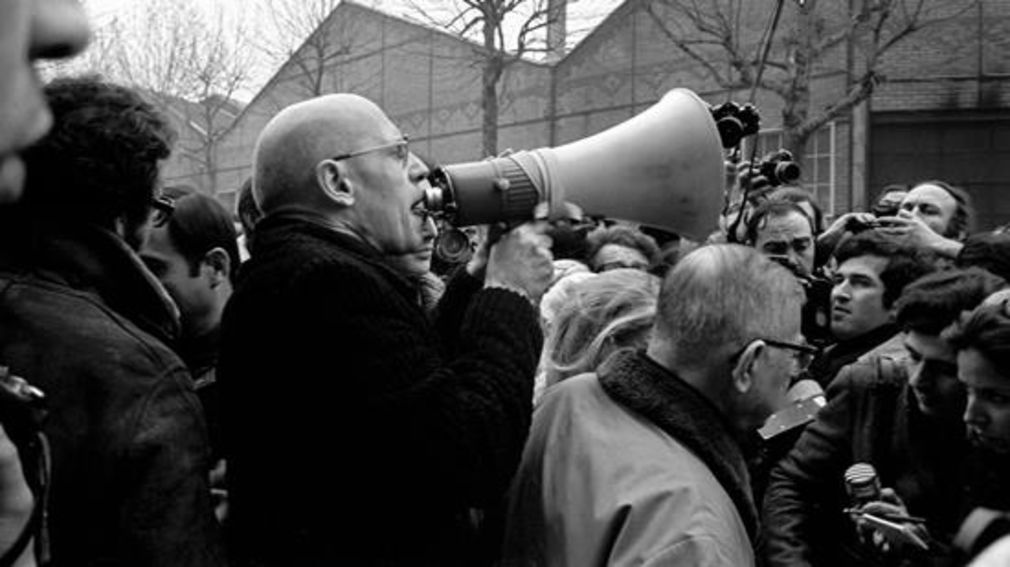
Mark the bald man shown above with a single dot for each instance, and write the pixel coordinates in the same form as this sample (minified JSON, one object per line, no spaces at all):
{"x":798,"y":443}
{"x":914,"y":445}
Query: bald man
{"x":357,"y":431}
{"x":934,"y":216}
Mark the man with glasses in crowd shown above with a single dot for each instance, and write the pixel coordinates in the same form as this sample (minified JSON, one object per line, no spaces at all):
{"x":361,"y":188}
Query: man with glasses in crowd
{"x":91,"y":327}
{"x":358,"y":431}
{"x":640,"y":463}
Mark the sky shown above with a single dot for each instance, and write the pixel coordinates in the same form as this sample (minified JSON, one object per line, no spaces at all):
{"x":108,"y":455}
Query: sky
{"x":583,"y":15}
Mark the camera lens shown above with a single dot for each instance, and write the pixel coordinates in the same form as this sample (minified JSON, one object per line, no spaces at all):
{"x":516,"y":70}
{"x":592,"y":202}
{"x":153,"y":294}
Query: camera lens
{"x":730,"y":131}
{"x":787,"y":171}
{"x":452,"y":245}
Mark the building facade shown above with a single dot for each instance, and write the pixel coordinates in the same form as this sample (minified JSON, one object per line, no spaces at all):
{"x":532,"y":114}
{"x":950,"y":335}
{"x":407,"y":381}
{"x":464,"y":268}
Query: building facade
{"x":941,"y":108}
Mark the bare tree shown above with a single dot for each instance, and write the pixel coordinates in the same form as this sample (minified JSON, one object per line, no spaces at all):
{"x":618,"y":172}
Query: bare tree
{"x":189,"y":63}
{"x":505,"y":31}
{"x":295,"y":33}
{"x":813,"y":35}
{"x":219,"y":72}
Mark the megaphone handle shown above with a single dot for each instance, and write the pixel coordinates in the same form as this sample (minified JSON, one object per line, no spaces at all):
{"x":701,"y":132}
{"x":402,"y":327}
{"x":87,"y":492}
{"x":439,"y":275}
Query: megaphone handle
{"x":499,"y":229}
{"x":494,"y":233}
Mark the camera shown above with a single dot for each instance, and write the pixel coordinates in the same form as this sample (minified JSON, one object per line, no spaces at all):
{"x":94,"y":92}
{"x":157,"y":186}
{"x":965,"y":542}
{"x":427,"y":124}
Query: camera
{"x":453,"y":245}
{"x":856,"y":225}
{"x":816,"y":322}
{"x":890,"y":203}
{"x":735,"y":121}
{"x":776,"y":168}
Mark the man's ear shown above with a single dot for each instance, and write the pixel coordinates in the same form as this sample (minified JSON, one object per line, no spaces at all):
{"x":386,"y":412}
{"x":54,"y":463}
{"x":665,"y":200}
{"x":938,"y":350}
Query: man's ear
{"x":743,"y":372}
{"x":331,"y":177}
{"x":216,"y":260}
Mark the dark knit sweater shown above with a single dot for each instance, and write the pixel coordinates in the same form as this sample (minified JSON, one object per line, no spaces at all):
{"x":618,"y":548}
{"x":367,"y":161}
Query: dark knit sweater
{"x":353,"y":436}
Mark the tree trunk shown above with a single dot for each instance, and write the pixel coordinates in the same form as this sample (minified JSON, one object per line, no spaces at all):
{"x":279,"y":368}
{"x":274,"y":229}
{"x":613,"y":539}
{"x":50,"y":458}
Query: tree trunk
{"x":211,"y":169}
{"x":795,"y":141}
{"x":797,"y":103}
{"x":489,"y":103}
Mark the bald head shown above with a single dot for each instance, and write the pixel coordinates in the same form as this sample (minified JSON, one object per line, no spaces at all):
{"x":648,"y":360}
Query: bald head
{"x":302,"y":135}
{"x":718,"y":298}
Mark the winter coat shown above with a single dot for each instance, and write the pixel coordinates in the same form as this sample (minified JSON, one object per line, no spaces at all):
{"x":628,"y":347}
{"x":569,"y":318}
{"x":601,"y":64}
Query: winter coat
{"x":83,"y":320}
{"x":630,"y":466}
{"x":358,"y":431}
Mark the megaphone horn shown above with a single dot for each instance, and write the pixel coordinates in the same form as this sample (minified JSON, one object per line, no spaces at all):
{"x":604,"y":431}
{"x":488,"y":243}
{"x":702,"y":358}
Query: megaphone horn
{"x":662,"y":168}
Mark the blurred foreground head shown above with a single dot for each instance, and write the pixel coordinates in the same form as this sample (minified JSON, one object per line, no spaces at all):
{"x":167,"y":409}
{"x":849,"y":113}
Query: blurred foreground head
{"x":100,"y":163}
{"x":30,"y":31}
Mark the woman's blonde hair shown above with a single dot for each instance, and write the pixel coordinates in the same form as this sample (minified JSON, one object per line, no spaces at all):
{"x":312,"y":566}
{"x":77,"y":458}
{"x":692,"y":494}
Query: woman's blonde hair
{"x":602,"y":313}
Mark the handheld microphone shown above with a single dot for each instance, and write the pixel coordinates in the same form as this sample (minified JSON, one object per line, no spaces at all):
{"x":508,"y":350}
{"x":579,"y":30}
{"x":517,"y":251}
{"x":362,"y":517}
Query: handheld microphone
{"x":863,"y":487}
{"x":862,"y":484}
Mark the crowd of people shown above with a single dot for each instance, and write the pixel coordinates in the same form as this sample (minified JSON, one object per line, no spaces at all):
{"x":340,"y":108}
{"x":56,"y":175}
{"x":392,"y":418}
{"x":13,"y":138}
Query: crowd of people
{"x":311,"y":389}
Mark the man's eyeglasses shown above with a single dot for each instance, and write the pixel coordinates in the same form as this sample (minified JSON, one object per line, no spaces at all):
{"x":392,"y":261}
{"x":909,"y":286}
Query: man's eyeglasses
{"x":162,"y":208}
{"x":803,"y":354}
{"x":401,"y":146}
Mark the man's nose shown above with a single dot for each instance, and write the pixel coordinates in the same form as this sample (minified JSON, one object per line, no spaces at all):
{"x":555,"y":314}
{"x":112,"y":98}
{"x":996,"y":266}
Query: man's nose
{"x":797,"y":259}
{"x":429,"y":228}
{"x":416,"y":168}
{"x":973,"y":411}
{"x":840,"y":292}
{"x":59,"y":29}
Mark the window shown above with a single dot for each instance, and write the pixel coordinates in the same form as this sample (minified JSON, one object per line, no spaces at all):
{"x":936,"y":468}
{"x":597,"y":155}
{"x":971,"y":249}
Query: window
{"x":818,"y":164}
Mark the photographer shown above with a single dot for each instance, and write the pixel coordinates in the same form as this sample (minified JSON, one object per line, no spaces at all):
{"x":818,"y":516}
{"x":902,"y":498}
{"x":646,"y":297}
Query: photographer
{"x":933,"y":216}
{"x":781,"y":230}
{"x":855,"y":222}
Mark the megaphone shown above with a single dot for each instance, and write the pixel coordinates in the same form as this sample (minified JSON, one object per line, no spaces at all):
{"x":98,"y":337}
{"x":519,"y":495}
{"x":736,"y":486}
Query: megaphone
{"x":662,"y":168}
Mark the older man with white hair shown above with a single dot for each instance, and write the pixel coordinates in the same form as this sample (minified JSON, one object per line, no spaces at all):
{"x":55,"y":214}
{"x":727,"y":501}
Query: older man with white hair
{"x":639,"y":463}
{"x":359,"y":432}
